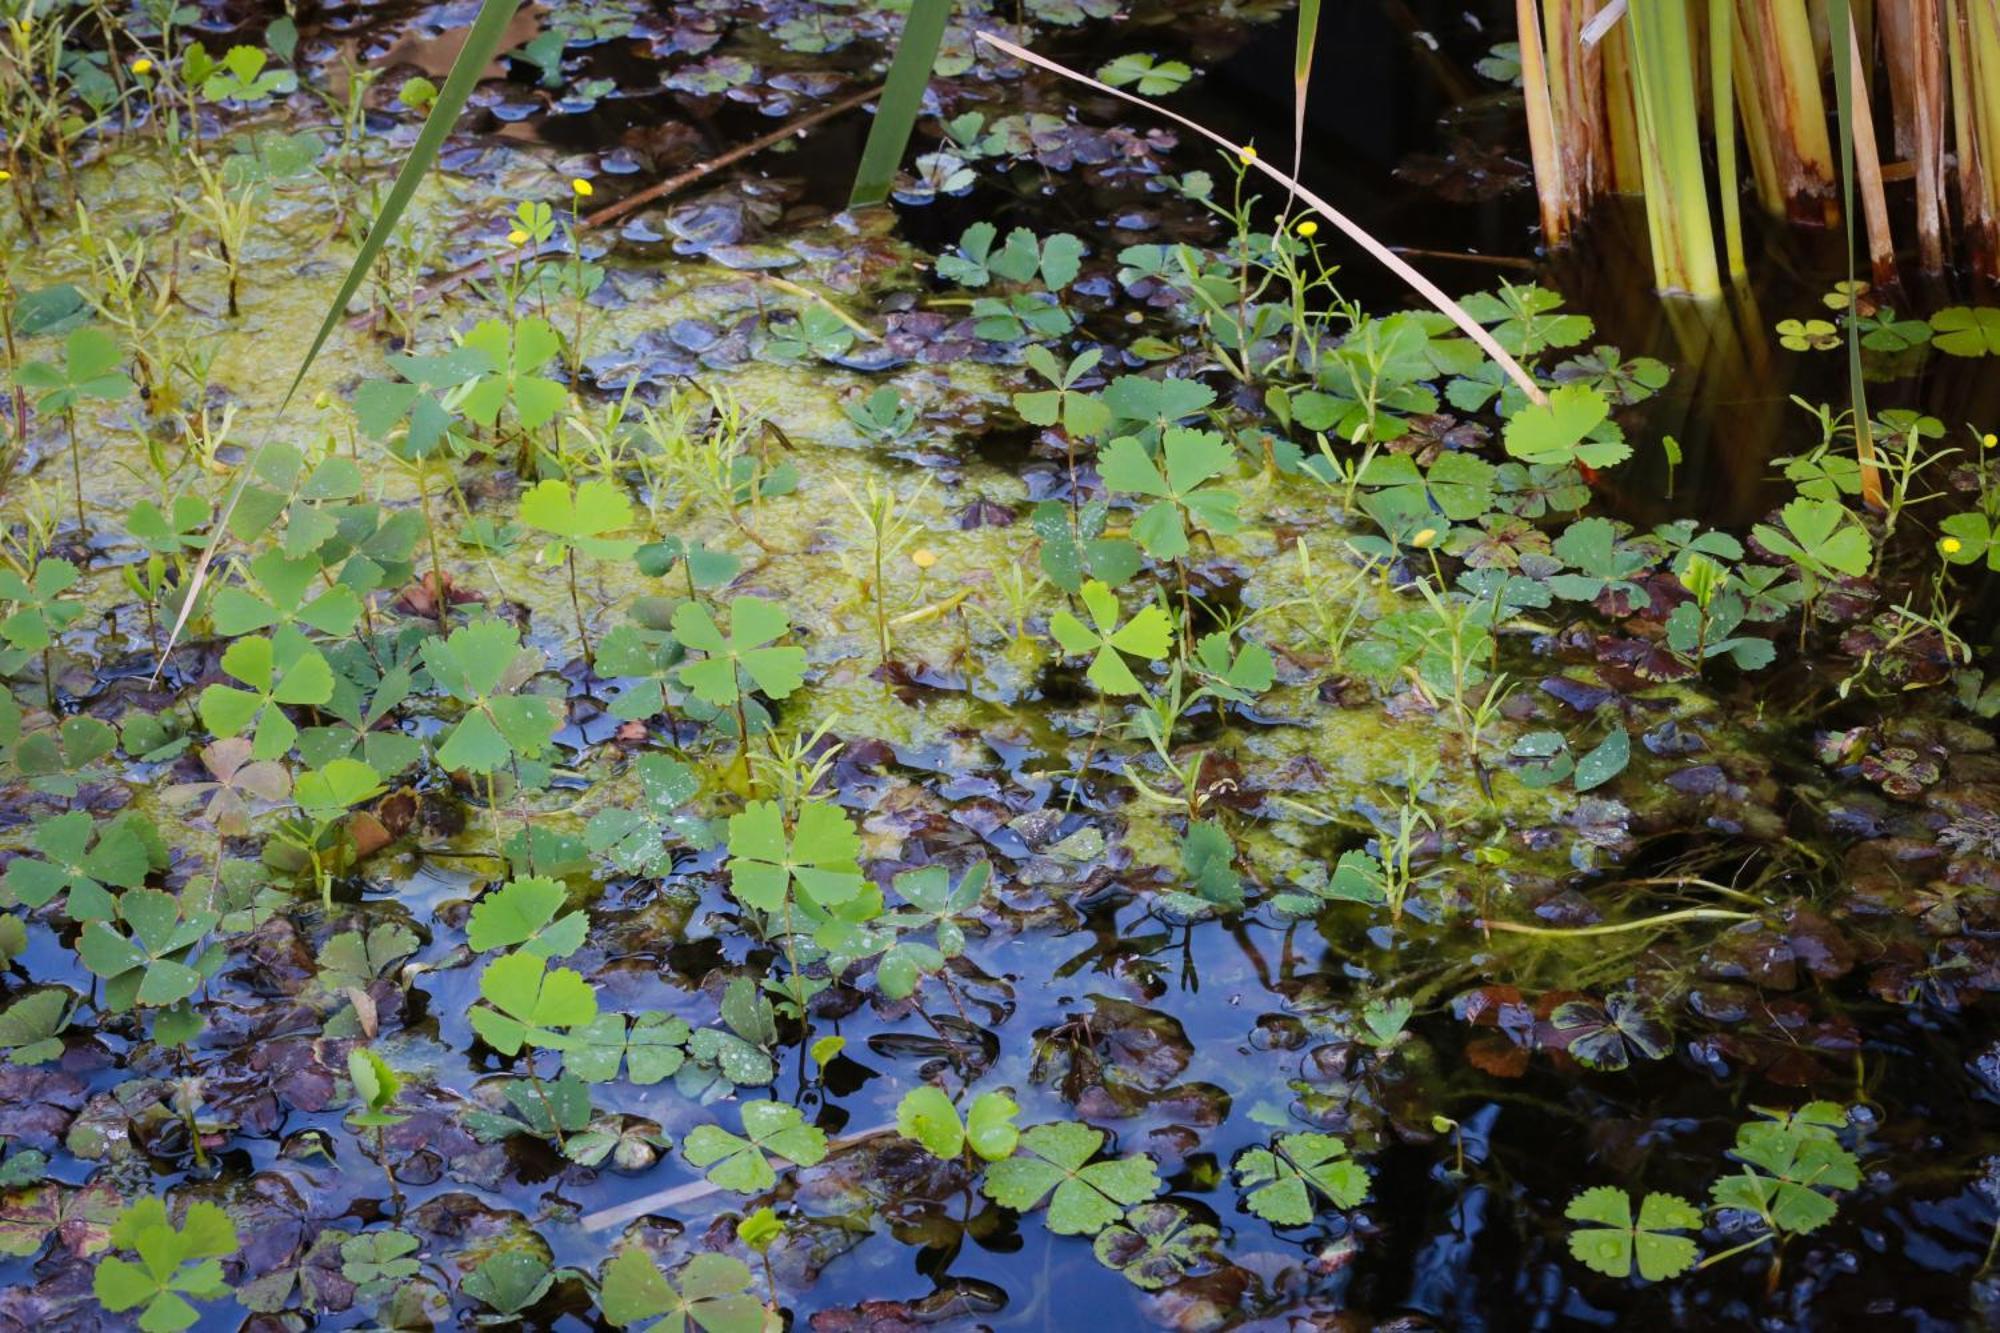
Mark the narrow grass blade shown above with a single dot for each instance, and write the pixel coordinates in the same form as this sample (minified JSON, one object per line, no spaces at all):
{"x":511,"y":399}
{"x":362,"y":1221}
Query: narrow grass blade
{"x":481,"y":42}
{"x":1423,"y":286}
{"x":1302,"y":69}
{"x":896,"y":116}
{"x":1840,"y":23}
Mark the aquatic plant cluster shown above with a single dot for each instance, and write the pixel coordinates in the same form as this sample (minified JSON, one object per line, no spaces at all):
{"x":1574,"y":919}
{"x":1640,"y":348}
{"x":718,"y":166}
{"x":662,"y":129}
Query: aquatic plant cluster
{"x":703,"y":764}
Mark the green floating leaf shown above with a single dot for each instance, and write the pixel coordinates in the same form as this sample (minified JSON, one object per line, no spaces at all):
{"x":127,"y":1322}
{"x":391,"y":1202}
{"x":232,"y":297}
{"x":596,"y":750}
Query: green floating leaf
{"x":523,"y":913}
{"x":1148,"y":634}
{"x":714,"y":1294}
{"x":176,"y":1265}
{"x":738,"y":1163}
{"x":1053,"y":1163}
{"x":528,"y":1005}
{"x":1574,"y":426}
{"x":1284,"y":1178}
{"x":1966,"y":331}
{"x":1616,"y":1239}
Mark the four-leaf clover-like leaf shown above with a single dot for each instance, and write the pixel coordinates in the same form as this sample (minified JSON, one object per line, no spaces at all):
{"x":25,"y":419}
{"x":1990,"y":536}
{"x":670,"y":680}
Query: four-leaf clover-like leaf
{"x":818,"y":856}
{"x":714,"y":1294}
{"x":738,"y":1163}
{"x":755,"y":625}
{"x":1612,"y":1239}
{"x":286,"y":591}
{"x":1193,"y":458}
{"x":39,"y":613}
{"x":526,"y":1004}
{"x":1085,"y":1197}
{"x":522,"y":913}
{"x":515,"y":355}
{"x":89,"y":369}
{"x":282,"y":669}
{"x":1149,"y":634}
{"x":76,"y":855}
{"x":1574,"y":426}
{"x":484,"y":666}
{"x":175,"y":1263}
{"x":1821,"y":537}
{"x":1287,"y":1175}
{"x":583,"y":518}
{"x":142,"y":966}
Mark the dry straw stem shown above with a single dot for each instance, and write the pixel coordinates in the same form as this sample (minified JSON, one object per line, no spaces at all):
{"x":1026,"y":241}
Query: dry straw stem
{"x":696,"y":1191}
{"x":479,"y":268}
{"x":1417,"y":281}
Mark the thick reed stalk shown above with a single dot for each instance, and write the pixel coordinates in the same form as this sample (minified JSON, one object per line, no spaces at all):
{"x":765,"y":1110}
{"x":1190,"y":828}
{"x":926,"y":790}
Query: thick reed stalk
{"x":1555,"y":191}
{"x":1626,"y":174}
{"x":1913,"y":49}
{"x":1782,"y":51}
{"x":1756,"y":125}
{"x":1677,"y":208}
{"x":1975,"y":53}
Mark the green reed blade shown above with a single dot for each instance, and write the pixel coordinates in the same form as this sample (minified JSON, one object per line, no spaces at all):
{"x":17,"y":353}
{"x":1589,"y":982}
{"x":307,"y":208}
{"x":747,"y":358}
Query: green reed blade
{"x":481,"y":42}
{"x":1302,"y":68}
{"x":896,"y":115}
{"x":1840,"y":24}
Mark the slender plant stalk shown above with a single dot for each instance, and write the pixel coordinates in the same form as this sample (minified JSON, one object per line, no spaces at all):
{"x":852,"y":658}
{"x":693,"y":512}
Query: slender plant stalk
{"x":1620,"y":927}
{"x":1780,"y":37}
{"x":1623,"y":172}
{"x":76,"y":474}
{"x":1757,"y":135}
{"x":1423,"y":286}
{"x":576,"y":605}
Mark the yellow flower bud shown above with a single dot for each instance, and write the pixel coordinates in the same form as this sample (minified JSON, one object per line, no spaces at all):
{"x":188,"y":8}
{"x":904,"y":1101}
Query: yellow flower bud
{"x":142,"y":66}
{"x":1309,"y":228}
{"x":1988,"y":440}
{"x":1951,"y":546}
{"x":5,"y":175}
{"x":583,"y":188}
{"x":1424,"y":538}
{"x":1246,"y":154}
{"x":923,"y":557}
{"x":517,"y":237}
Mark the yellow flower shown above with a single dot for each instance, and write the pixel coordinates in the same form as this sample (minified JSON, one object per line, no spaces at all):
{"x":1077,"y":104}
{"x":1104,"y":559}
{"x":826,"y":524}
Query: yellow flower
{"x":1424,"y":538}
{"x":1309,"y":228}
{"x":142,"y":66}
{"x":1246,"y":154}
{"x":1988,"y":440}
{"x":5,"y":176}
{"x":1951,"y":546}
{"x":583,"y":188}
{"x":517,"y":237}
{"x":923,"y":557}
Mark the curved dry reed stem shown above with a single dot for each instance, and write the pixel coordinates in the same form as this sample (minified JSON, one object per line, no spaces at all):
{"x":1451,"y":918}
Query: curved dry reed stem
{"x":1423,"y":286}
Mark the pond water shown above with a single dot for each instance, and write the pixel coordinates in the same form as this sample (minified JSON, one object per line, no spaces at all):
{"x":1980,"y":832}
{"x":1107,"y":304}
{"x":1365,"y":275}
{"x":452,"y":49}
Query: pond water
{"x":1440,"y":858}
